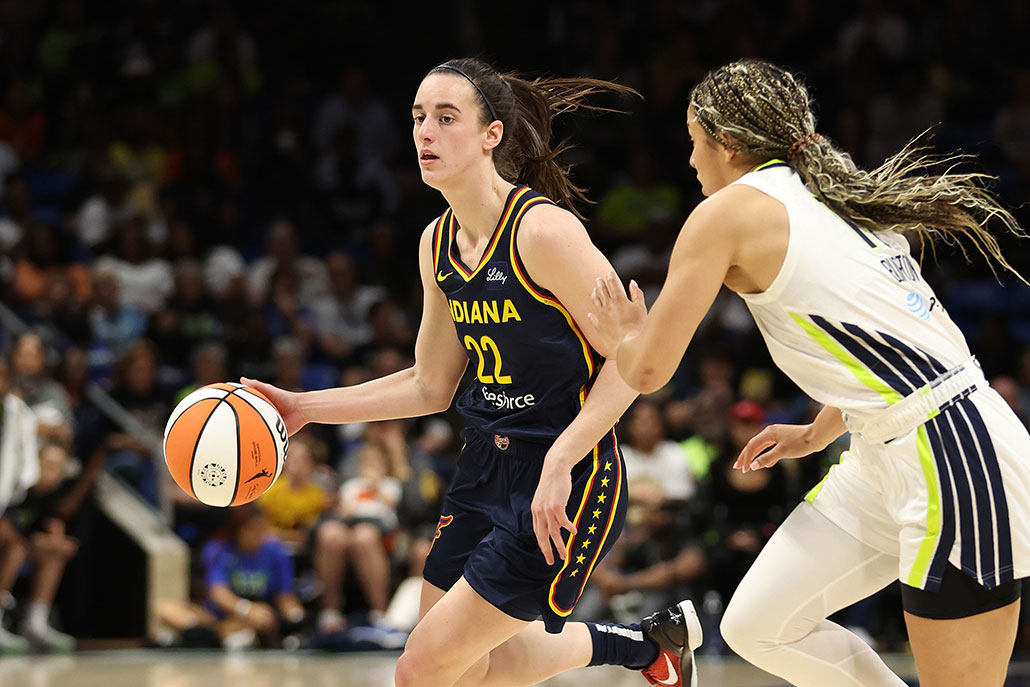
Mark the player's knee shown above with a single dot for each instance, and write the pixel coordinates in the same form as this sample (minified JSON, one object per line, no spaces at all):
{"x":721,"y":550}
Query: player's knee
{"x":413,"y":669}
{"x":741,"y":629}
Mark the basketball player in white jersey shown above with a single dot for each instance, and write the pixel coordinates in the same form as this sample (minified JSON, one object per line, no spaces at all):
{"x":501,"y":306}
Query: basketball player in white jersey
{"x":935,"y":488}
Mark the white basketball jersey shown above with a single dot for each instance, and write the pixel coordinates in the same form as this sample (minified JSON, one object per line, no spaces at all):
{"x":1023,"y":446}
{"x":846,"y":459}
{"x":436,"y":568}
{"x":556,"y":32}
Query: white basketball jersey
{"x":849,"y":317}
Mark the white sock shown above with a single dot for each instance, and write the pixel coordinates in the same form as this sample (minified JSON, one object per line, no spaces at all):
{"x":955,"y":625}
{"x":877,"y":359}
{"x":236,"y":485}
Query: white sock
{"x":38,"y":615}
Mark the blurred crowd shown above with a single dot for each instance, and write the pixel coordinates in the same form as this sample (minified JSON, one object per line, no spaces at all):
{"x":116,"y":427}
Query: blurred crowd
{"x":194,"y":191}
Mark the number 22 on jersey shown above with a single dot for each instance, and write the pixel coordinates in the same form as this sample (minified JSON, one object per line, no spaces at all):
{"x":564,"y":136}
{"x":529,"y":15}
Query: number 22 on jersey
{"x":482,"y":347}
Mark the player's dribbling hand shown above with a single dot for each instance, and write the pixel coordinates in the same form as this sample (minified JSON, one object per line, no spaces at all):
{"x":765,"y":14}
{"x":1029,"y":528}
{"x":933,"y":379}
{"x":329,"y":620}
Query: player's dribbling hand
{"x":615,"y":315}
{"x":286,"y":402}
{"x":548,"y":509}
{"x":773,"y":444}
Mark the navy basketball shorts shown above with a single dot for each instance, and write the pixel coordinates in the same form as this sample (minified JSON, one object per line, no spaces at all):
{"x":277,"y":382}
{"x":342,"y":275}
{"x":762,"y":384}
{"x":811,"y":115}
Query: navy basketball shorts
{"x":486,"y":528}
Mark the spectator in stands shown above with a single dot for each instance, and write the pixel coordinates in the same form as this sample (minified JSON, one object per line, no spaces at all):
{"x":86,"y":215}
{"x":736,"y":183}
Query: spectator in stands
{"x":15,"y":213}
{"x":746,"y":508}
{"x":187,"y":319}
{"x":138,"y":153}
{"x":248,"y":583}
{"x":355,"y":530}
{"x":144,"y":280}
{"x":656,"y":561}
{"x":659,"y":554}
{"x":656,"y":467}
{"x":43,"y":257}
{"x":136,"y":389}
{"x":30,"y":531}
{"x":431,"y":465}
{"x":115,"y":325}
{"x":91,"y":433}
{"x":389,"y":328}
{"x":295,"y":501}
{"x":33,"y":382}
{"x":222,"y":51}
{"x":210,"y":365}
{"x":357,"y":189}
{"x":73,"y":376}
{"x":341,"y":317}
{"x":104,"y":209}
{"x":288,"y":358}
{"x":626,"y":210}
{"x":705,"y":416}
{"x":283,"y":252}
{"x":284,"y":312}
{"x":19,"y":457}
{"x":352,"y":103}
{"x":62,"y":313}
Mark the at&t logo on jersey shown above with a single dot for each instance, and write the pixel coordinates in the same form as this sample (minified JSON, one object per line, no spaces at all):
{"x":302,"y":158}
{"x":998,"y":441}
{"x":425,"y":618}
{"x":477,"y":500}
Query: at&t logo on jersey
{"x":917,"y":306}
{"x":503,"y":401}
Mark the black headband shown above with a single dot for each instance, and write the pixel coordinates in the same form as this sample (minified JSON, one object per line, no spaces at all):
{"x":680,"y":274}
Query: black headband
{"x":493,"y":113}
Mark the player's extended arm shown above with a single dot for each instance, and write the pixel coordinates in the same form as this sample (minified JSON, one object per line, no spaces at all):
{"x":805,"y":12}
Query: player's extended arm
{"x":700,"y":260}
{"x":720,"y":235}
{"x":424,"y":388}
{"x":560,"y":257}
{"x":776,"y":442}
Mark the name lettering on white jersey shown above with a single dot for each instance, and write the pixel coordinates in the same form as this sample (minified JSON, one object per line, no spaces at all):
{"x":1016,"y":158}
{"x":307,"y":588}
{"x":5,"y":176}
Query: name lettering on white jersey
{"x":901,"y":267}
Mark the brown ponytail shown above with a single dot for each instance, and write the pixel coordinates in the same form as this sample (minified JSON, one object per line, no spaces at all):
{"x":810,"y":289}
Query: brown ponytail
{"x":527,"y":109}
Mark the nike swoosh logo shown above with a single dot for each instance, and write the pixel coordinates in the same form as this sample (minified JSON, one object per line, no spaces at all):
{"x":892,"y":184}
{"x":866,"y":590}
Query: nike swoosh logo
{"x":440,"y":276}
{"x":673,"y":678}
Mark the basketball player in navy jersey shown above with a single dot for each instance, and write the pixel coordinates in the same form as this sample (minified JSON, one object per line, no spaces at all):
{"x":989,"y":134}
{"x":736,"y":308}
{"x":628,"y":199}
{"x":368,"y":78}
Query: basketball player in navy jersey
{"x":539,"y":495}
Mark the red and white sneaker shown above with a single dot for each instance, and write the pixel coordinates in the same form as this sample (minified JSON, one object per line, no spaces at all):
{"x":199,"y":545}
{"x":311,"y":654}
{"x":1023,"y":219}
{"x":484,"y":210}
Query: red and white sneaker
{"x":677,"y":632}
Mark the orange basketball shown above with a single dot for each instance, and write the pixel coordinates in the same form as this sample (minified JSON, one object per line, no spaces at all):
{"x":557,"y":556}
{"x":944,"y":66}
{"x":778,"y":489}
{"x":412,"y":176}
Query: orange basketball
{"x":225,"y":444}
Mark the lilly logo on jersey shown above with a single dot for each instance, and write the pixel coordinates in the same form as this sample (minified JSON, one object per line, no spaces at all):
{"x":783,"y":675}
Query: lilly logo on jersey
{"x":484,"y":312}
{"x":496,"y":275}
{"x":917,"y":306}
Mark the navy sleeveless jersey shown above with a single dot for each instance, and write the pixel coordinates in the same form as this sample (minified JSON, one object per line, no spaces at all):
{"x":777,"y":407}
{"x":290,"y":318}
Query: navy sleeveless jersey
{"x":533,"y":366}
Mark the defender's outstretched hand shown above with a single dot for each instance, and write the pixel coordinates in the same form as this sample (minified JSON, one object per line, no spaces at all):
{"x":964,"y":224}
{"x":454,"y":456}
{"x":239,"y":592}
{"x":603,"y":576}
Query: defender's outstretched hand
{"x":286,"y":402}
{"x":617,"y":316}
{"x":773,"y":444}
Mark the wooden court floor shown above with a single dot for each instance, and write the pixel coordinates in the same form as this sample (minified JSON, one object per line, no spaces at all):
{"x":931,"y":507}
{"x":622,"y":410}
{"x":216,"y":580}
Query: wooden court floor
{"x":129,"y":668}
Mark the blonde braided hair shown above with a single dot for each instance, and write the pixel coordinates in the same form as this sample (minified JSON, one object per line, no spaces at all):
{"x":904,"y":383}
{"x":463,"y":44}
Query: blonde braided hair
{"x":759,"y":109}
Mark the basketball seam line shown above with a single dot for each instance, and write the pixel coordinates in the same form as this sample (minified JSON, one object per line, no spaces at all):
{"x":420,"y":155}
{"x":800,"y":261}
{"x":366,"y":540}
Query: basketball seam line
{"x":239,"y":458}
{"x":200,"y":433}
{"x":275,"y":446}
